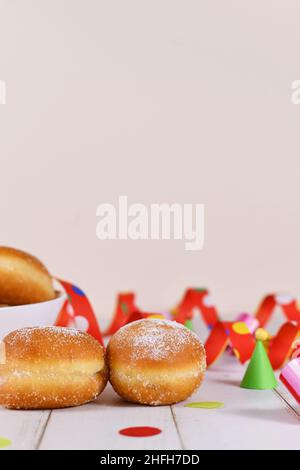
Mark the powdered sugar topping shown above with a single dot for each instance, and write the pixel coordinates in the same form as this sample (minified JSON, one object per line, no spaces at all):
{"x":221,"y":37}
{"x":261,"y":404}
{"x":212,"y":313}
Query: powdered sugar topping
{"x":149,"y":340}
{"x":53,"y":336}
{"x":25,"y":334}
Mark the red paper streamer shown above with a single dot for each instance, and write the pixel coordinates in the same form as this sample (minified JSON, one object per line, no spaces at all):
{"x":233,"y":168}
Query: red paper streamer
{"x":280,"y":346}
{"x":125,"y":311}
{"x":268,"y":304}
{"x":279,"y":349}
{"x":78,"y":305}
{"x":222,"y":334}
{"x":234,"y":334}
{"x":196,"y":298}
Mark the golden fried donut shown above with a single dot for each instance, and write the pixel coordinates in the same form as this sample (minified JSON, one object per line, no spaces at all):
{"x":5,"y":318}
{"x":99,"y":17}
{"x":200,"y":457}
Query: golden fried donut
{"x":155,"y":362}
{"x":50,"y":367}
{"x":23,"y":278}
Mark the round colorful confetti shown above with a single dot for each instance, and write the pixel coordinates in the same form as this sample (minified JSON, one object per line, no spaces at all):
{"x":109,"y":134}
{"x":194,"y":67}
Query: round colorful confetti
{"x":4,"y":442}
{"x":250,"y":321}
{"x":140,"y":431}
{"x":240,"y":328}
{"x":207,"y":405}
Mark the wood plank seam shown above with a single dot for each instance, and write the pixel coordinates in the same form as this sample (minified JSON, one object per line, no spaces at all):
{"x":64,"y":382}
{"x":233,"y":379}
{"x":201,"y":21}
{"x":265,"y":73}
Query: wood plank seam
{"x":177,"y":428}
{"x":40,"y":439}
{"x":288,"y":405}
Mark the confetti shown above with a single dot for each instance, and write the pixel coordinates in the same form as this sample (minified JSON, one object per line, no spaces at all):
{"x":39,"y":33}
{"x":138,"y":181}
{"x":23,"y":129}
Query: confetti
{"x":4,"y":442}
{"x":240,"y":328}
{"x":140,"y":431}
{"x":207,"y":405}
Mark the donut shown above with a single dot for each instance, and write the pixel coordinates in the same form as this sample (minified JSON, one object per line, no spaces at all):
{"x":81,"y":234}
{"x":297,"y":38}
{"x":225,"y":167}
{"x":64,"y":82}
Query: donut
{"x":23,"y":278}
{"x":155,"y":362}
{"x":51,"y":367}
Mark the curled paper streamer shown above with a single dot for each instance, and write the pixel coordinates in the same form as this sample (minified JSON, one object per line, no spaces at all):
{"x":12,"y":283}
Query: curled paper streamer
{"x":242,"y":341}
{"x":238,"y":335}
{"x":234,"y":334}
{"x":125,"y":312}
{"x":287,"y":304}
{"x":280,"y":347}
{"x":201,"y":299}
{"x":76,"y":308}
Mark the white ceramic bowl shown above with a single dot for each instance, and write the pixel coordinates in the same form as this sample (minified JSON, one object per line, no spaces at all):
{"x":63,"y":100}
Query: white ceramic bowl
{"x":40,"y":314}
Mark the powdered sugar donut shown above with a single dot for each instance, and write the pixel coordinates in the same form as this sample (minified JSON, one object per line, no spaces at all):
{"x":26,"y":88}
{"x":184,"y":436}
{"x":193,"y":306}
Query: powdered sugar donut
{"x":50,"y":367}
{"x":155,"y":362}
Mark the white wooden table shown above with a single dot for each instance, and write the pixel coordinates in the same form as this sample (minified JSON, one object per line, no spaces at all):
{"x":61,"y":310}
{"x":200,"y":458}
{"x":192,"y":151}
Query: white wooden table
{"x":250,"y":419}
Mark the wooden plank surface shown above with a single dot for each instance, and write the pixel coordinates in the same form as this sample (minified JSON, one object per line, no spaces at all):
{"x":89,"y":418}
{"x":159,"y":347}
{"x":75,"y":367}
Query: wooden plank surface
{"x":288,"y":400}
{"x":23,"y":428}
{"x":250,"y":419}
{"x":96,"y":426}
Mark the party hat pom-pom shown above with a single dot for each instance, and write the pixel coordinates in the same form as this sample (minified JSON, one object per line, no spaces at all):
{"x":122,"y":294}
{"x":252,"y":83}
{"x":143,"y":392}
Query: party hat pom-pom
{"x":261,"y":334}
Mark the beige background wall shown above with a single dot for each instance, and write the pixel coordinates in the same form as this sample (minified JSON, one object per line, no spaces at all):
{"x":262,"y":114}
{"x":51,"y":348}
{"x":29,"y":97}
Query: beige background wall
{"x":164,"y":101}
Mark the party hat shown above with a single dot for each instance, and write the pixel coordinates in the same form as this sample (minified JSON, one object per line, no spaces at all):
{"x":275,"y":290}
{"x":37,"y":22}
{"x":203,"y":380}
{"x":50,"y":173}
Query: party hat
{"x":259,"y":374}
